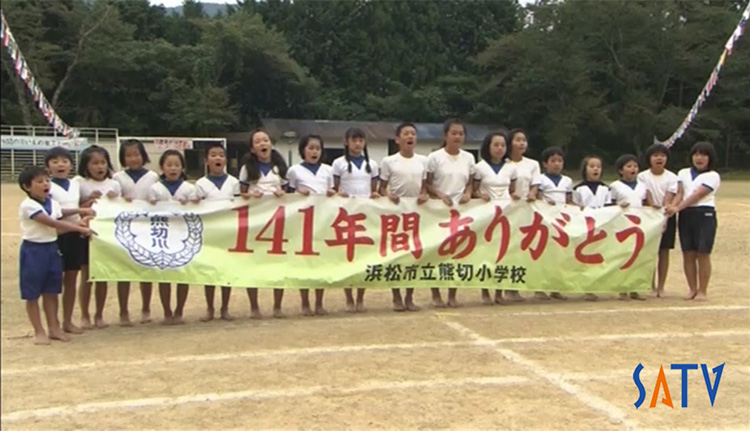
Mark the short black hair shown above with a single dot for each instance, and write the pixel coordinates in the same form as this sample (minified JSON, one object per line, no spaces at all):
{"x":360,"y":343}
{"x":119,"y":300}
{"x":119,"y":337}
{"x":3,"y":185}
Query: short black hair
{"x":706,"y":148}
{"x":654,"y":149}
{"x":58,"y":152}
{"x":402,"y":126}
{"x":28,"y":174}
{"x":552,"y":151}
{"x":133,"y":143}
{"x":86,"y":156}
{"x":306,"y":140}
{"x":168,"y":153}
{"x":624,"y":160}
{"x":585,"y":162}
{"x":213,"y":145}
{"x":484,"y":150}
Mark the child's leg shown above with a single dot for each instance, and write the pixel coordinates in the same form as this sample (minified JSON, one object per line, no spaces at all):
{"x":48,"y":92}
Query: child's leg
{"x":361,"y":300}
{"x":704,"y":276}
{"x":514,"y":296}
{"x":165,"y":294}
{"x":319,"y":310}
{"x":35,"y":317}
{"x":100,"y":297}
{"x":209,"y":291}
{"x":123,"y":296}
{"x":146,"y":289}
{"x":558,"y":295}
{"x":226,"y":293}
{"x":486,"y":300}
{"x":540,"y":295}
{"x":409,"y":300}
{"x":84,"y":298}
{"x":182,"y":294}
{"x":662,"y":268}
{"x":498,"y":297}
{"x":70,"y":279}
{"x":350,"y":307}
{"x":690,"y":266}
{"x":49,"y":302}
{"x":252,"y":294}
{"x":278,"y":295}
{"x":452,"y":302}
{"x":437,"y":301}
{"x":398,"y":303}
{"x":304,"y":295}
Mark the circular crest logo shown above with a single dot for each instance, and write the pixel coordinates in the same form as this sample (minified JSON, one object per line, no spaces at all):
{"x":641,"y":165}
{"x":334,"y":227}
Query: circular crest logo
{"x":160,"y":239}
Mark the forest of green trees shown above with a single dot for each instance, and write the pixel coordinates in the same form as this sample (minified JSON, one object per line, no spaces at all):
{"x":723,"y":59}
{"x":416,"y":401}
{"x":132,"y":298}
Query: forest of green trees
{"x":590,"y":76}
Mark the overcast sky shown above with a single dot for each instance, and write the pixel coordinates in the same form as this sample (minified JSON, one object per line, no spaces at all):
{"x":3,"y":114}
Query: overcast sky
{"x":170,"y":3}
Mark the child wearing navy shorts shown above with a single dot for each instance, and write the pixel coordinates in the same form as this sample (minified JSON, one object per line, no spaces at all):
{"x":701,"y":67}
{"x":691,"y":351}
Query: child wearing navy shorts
{"x":697,"y":220}
{"x":41,"y":265}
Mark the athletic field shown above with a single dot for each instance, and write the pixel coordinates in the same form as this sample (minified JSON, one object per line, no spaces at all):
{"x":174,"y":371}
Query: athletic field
{"x":533,"y":365}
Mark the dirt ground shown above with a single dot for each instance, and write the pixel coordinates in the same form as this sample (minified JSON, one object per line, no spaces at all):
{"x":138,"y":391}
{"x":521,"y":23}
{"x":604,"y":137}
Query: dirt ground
{"x":527,"y":366}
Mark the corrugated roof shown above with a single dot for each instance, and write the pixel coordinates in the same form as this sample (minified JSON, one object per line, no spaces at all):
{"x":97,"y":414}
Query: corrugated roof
{"x":375,"y":130}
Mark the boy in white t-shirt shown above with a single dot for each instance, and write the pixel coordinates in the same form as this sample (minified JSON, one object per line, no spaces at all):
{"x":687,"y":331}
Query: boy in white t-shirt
{"x":41,"y":266}
{"x":402,"y":175}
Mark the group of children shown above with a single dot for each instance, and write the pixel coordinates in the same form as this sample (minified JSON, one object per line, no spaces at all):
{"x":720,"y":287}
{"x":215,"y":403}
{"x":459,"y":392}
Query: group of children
{"x":54,"y":217}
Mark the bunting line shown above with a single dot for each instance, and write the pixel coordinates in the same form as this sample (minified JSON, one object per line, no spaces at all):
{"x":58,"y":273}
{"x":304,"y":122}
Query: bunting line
{"x":713,"y":79}
{"x":23,"y":71}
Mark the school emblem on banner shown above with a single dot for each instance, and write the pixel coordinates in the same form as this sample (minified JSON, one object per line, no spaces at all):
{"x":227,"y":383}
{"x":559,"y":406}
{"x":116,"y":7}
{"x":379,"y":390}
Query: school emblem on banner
{"x":165,"y":240}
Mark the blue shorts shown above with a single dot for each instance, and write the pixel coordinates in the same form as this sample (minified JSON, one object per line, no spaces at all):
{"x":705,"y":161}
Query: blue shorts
{"x":41,"y":269}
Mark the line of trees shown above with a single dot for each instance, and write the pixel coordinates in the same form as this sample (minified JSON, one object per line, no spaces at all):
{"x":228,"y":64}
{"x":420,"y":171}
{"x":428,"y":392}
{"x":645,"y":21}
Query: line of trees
{"x":590,"y":76}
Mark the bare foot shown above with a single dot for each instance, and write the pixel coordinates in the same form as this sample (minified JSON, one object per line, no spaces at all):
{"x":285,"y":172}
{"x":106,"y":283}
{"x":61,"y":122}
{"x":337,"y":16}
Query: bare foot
{"x":412,"y":306}
{"x":486,"y":300}
{"x":145,"y":317}
{"x":41,"y":339}
{"x":278,"y":314}
{"x":58,"y":334}
{"x":660,"y":293}
{"x":590,"y":297}
{"x":452,"y":303}
{"x":320,"y":311}
{"x":209,"y":315}
{"x":559,"y":296}
{"x":350,"y":308}
{"x":100,"y":323}
{"x":398,"y":306}
{"x":71,"y":328}
{"x":691,"y":295}
{"x":306,"y":311}
{"x":361,"y":308}
{"x":438,"y":303}
{"x":623,"y":297}
{"x":226,"y":316}
{"x":86,"y":323}
{"x":125,"y":320}
{"x":166,"y":321}
{"x":637,"y":297}
{"x":514,"y":297}
{"x":499,"y":300}
{"x":255,"y":315}
{"x":700,"y":297}
{"x":177,"y":320}
{"x":541,"y":295}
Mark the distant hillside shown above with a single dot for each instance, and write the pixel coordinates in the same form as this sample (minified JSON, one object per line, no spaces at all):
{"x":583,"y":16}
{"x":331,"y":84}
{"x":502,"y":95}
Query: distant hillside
{"x":210,"y":9}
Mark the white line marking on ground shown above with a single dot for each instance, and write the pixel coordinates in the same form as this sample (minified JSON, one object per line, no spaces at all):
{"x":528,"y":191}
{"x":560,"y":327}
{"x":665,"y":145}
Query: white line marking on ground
{"x":624,"y":310}
{"x":587,"y":398}
{"x":306,"y":351}
{"x":258,"y":394}
{"x":11,"y":234}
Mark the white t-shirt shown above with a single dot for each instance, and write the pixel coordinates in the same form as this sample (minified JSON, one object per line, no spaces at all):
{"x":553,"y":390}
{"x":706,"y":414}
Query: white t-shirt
{"x":528,"y":175}
{"x":555,"y":192}
{"x":33,"y":230}
{"x":318,"y":182}
{"x":89,"y":186}
{"x":268,"y":181}
{"x":658,"y":185}
{"x":495,"y":184}
{"x":358,"y":182}
{"x":634,"y":194}
{"x":181,"y":190}
{"x":404,"y":176}
{"x":136,"y":184}
{"x":67,"y":193}
{"x":213,"y":188}
{"x":450,"y":174}
{"x":691,"y":181}
{"x":584,"y":196}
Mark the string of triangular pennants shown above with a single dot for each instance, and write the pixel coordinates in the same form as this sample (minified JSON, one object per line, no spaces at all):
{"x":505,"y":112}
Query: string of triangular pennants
{"x":712,"y":80}
{"x":24,"y":72}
